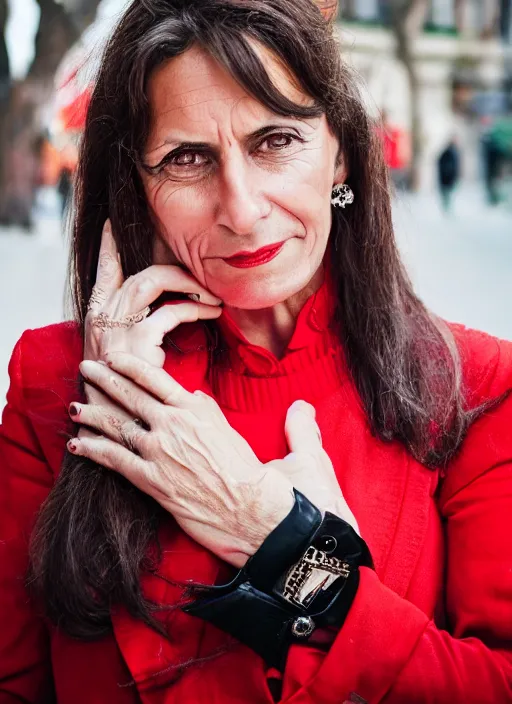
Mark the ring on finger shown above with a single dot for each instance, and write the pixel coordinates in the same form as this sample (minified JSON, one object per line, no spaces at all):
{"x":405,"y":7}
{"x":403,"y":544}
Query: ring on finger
{"x":129,"y":433}
{"x":105,"y":322}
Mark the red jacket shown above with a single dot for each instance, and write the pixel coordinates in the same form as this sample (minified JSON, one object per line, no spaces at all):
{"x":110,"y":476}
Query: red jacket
{"x":432,"y":624}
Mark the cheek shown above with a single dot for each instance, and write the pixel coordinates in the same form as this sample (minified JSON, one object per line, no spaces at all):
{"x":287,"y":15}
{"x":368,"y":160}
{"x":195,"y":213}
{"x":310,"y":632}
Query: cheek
{"x":306,"y":196}
{"x":184,"y":223}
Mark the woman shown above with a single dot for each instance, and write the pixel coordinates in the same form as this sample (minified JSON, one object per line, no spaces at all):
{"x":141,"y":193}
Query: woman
{"x":267,"y":409}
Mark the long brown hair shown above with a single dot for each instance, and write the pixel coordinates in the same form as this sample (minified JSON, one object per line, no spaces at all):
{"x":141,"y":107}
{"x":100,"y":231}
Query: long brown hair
{"x":93,"y":533}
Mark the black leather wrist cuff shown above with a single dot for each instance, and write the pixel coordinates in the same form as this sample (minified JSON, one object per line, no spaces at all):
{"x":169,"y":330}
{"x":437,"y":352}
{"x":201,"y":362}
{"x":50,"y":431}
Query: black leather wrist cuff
{"x":285,"y":545}
{"x":305,"y":575}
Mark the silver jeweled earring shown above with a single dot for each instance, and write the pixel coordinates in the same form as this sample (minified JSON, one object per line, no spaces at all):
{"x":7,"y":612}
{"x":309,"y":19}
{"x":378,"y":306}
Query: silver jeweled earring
{"x":342,"y":195}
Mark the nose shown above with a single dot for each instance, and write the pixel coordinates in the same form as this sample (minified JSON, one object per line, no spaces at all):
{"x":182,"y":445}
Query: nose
{"x":241,"y":200}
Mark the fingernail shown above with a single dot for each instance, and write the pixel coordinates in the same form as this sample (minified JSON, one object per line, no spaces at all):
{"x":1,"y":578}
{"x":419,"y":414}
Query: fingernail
{"x":72,"y":446}
{"x":74,"y":410}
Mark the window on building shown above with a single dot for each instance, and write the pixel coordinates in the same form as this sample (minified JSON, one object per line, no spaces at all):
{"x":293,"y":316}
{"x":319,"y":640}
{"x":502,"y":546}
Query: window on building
{"x":364,"y":10}
{"x":480,"y":17}
{"x":442,"y":14}
{"x":506,"y":20}
{"x":368,"y":9}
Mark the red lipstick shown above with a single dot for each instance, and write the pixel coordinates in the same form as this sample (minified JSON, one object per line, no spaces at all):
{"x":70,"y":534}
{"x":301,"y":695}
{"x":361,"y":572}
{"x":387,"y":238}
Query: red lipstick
{"x":244,"y":260}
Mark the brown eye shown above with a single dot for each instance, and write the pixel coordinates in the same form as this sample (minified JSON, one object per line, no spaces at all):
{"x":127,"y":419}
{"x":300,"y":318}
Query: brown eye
{"x":279,"y":141}
{"x":189,"y":159}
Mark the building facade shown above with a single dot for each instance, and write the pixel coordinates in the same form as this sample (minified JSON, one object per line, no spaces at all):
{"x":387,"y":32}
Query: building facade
{"x":463,"y":60}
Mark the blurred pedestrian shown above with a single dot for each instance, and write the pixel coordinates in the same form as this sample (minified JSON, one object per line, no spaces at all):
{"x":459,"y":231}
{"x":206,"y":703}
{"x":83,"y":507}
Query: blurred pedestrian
{"x":497,"y":155}
{"x":65,"y":188}
{"x":397,"y":151}
{"x":69,"y":161}
{"x":448,"y":173}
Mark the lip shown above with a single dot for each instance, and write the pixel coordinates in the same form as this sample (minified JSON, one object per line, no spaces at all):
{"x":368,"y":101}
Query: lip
{"x":244,"y":260}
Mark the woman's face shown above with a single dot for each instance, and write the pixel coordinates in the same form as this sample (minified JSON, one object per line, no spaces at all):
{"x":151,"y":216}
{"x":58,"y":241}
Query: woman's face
{"x":229,"y":178}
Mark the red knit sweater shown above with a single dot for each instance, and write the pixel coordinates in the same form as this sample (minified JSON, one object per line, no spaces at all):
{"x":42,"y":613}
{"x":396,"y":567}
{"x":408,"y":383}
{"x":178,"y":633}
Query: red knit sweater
{"x":432,"y":624}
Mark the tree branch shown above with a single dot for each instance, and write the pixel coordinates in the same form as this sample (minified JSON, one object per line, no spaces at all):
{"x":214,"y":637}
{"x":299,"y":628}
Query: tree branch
{"x":407,"y":19}
{"x":82,"y":12}
{"x":408,"y":16}
{"x":5,"y":70}
{"x":59,"y":28}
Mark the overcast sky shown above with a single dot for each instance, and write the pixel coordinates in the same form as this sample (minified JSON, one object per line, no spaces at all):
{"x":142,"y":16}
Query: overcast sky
{"x":22,"y":26}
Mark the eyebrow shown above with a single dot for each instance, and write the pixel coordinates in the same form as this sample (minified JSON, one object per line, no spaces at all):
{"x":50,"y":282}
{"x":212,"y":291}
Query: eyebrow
{"x":251,"y":137}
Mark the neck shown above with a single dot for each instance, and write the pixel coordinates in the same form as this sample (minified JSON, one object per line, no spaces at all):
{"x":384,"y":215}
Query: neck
{"x":272,"y":328}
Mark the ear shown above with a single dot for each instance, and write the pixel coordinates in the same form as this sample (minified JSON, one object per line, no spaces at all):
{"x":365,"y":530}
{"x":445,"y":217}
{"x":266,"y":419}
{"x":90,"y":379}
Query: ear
{"x":341,"y":170}
{"x":162,"y":253}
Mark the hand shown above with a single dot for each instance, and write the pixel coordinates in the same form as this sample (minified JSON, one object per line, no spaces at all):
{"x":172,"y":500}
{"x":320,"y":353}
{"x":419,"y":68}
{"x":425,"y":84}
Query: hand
{"x":185,"y":455}
{"x":116,"y":298}
{"x":308,"y":465}
{"x":190,"y":460}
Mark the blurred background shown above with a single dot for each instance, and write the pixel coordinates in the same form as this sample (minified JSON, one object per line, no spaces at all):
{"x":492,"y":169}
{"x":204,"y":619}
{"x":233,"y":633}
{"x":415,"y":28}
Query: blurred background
{"x":438,"y":73}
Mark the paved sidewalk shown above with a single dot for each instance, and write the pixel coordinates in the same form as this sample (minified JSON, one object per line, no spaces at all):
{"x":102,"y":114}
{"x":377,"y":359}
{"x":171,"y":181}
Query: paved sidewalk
{"x":461,"y":264}
{"x":32,"y":276}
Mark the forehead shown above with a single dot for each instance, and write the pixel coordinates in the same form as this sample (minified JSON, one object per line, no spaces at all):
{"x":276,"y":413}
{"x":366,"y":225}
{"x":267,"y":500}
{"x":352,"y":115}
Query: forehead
{"x":194,"y":89}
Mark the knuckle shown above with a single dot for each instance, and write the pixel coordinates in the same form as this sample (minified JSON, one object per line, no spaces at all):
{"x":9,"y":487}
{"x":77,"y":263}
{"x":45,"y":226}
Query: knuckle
{"x":170,"y":399}
{"x":205,"y":398}
{"x":142,"y":285}
{"x":172,"y":318}
{"x":98,"y":291}
{"x":211,"y":403}
{"x":106,"y":263}
{"x":128,"y":435}
{"x":146,"y":369}
{"x":309,"y":457}
{"x":95,"y":446}
{"x":201,"y":395}
{"x":114,"y":422}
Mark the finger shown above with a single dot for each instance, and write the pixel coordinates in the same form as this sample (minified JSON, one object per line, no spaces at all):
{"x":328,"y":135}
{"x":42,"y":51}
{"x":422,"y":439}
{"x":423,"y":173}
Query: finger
{"x":148,"y":336}
{"x":170,"y":316}
{"x":301,"y":430}
{"x":109,"y":423}
{"x":109,"y":274}
{"x":85,"y":433}
{"x":123,"y":391}
{"x":146,"y":376}
{"x":144,"y":288}
{"x":111,"y":455}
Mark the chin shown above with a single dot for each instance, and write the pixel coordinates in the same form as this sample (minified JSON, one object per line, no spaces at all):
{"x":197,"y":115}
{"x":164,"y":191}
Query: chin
{"x":257,"y":295}
{"x":264,"y":286}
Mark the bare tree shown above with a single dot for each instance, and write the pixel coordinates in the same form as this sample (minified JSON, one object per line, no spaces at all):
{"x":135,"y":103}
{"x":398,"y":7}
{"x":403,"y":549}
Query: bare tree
{"x":5,"y":72}
{"x":407,"y":18}
{"x":60,"y":26}
{"x":4,"y":57}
